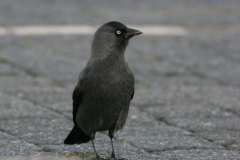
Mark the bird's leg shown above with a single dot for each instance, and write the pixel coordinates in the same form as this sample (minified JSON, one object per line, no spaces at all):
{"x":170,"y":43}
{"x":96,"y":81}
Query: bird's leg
{"x":111,"y":134}
{"x":113,"y":154}
{"x":97,"y":156}
{"x":92,"y":136}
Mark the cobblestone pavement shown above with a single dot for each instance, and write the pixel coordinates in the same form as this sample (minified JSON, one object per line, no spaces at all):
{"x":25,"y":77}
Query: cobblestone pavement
{"x":187,"y":98}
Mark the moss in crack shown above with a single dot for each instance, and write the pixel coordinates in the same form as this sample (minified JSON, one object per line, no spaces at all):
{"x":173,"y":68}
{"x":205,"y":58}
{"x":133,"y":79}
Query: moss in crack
{"x":45,"y":150}
{"x":144,"y":84}
{"x":55,"y":83}
{"x":42,"y":46}
{"x":154,"y":57}
{"x":214,"y":106}
{"x":70,"y":154}
{"x":161,"y":119}
{"x":30,"y":73}
{"x":31,"y":140}
{"x":2,"y":59}
{"x":103,"y":154}
{"x":197,"y":74}
{"x":211,"y":140}
{"x":172,"y":74}
{"x":7,"y":74}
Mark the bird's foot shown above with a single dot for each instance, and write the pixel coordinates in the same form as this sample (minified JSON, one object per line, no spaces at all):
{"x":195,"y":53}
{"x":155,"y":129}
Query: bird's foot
{"x":113,"y":156}
{"x":97,"y":158}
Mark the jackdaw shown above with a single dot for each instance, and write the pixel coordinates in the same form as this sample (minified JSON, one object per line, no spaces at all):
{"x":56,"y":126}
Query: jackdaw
{"x":105,"y":87}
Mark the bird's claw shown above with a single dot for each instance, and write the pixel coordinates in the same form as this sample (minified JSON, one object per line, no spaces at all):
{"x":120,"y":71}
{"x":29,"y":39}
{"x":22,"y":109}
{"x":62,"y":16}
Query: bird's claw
{"x":112,"y":156}
{"x":97,"y":158}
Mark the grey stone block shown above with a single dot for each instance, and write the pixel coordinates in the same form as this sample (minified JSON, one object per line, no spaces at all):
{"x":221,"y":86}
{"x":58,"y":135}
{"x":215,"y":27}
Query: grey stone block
{"x":199,"y":154}
{"x":163,"y":138}
{"x":10,"y":146}
{"x":225,"y":137}
{"x":206,"y":124}
{"x":15,"y":108}
{"x":36,"y":158}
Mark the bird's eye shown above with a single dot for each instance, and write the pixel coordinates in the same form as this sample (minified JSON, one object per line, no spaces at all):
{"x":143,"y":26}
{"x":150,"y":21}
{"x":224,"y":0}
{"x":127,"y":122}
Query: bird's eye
{"x":118,"y":32}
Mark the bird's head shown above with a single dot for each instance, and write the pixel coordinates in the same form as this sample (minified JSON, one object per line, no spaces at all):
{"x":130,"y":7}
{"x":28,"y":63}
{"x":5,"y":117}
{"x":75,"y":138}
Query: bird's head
{"x":112,"y":37}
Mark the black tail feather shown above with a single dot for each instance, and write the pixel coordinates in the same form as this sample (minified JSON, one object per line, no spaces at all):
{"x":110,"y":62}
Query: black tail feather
{"x":76,"y":136}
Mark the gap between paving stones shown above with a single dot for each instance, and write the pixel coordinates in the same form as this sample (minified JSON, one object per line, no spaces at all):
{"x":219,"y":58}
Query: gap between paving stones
{"x":192,"y":73}
{"x":4,"y":131}
{"x":34,"y":103}
{"x":19,"y":138}
{"x":221,"y":108}
{"x":169,"y":124}
{"x":27,"y":71}
{"x":224,"y":109}
{"x":31,"y":73}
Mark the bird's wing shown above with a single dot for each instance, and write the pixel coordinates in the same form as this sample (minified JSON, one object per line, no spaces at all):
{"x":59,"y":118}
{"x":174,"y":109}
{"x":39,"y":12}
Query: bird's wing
{"x":78,"y":92}
{"x":132,"y":95}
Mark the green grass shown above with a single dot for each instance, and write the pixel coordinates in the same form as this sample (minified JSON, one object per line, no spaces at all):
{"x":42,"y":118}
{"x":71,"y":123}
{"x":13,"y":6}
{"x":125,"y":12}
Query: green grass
{"x":154,"y":57}
{"x":144,"y":84}
{"x":56,"y":83}
{"x":69,"y":154}
{"x":211,"y":140}
{"x":7,"y":74}
{"x":42,"y":46}
{"x":2,"y":59}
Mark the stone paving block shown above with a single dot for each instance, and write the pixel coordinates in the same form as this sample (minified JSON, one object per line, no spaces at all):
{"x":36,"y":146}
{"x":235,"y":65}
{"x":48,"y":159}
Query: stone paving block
{"x":163,"y":138}
{"x":138,"y":118}
{"x":16,"y":147}
{"x":74,"y":46}
{"x":223,"y":137}
{"x":191,"y":101}
{"x":16,"y":82}
{"x":10,"y":146}
{"x":160,"y":96}
{"x":19,"y":127}
{"x":42,"y":62}
{"x":223,"y":97}
{"x":190,"y":55}
{"x":53,"y":157}
{"x":54,"y":98}
{"x":45,"y":137}
{"x":15,"y":108}
{"x":165,"y":80}
{"x":206,"y":124}
{"x":4,"y":136}
{"x":223,"y":65}
{"x":64,"y":107}
{"x":235,"y":147}
{"x":189,"y":111}
{"x":6,"y":70}
{"x":199,"y":154}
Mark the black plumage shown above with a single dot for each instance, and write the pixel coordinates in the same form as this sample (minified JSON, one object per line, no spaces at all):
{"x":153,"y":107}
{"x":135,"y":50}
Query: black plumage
{"x":105,"y":87}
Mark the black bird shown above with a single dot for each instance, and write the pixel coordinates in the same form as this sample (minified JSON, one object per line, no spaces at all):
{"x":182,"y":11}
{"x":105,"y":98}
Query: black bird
{"x":105,"y":87}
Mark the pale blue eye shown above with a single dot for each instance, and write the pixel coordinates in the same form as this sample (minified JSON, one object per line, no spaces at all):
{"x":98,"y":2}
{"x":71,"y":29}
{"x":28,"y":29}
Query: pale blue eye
{"x":118,"y":32}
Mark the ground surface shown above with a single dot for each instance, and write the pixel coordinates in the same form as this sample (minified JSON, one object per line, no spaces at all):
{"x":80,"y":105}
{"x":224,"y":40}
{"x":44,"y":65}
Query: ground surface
{"x":187,"y":98}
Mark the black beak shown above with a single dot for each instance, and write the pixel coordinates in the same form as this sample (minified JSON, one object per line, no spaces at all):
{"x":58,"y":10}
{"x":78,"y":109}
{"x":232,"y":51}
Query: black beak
{"x":131,"y":32}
